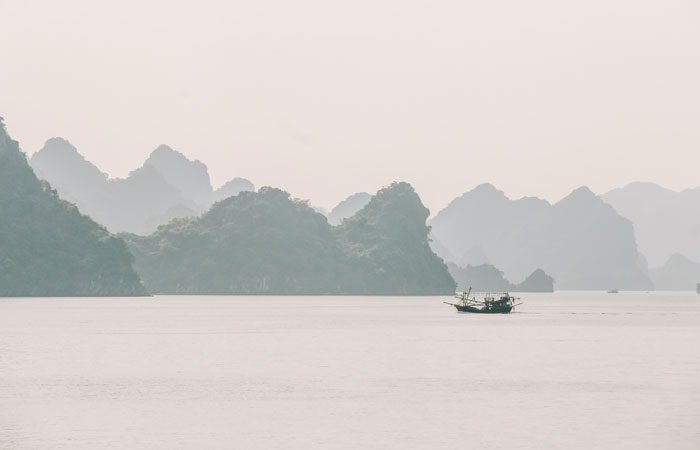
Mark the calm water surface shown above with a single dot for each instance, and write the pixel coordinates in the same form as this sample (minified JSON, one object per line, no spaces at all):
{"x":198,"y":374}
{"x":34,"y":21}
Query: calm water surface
{"x":567,"y":371}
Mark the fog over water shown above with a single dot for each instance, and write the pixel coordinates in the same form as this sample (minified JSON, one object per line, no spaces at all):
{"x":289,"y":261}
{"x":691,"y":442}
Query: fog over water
{"x":326,"y":99}
{"x":566,"y":370}
{"x":553,"y":142}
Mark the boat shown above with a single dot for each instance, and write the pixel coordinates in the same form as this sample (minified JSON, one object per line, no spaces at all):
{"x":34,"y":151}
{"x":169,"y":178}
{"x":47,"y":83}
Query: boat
{"x":492,"y":303}
{"x":697,"y":288}
{"x":613,"y":291}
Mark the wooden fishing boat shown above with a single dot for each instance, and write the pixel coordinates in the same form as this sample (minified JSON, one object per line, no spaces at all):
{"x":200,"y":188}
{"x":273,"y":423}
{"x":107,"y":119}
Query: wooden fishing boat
{"x":492,"y":303}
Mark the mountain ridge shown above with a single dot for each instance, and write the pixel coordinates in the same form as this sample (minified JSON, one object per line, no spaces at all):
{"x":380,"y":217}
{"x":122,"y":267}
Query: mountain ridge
{"x":666,"y":221}
{"x":265,"y":242}
{"x":47,"y":246}
{"x":167,"y":185}
{"x":581,"y":241}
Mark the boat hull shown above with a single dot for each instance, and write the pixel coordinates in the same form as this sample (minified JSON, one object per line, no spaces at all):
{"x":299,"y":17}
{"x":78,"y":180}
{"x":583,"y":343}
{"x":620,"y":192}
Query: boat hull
{"x":496,"y":310}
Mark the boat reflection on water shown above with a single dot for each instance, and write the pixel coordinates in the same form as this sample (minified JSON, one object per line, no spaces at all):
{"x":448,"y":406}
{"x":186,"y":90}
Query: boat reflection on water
{"x":491,"y":303}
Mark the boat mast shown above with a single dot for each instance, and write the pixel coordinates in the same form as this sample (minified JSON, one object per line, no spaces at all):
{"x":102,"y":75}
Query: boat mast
{"x":465,"y":300}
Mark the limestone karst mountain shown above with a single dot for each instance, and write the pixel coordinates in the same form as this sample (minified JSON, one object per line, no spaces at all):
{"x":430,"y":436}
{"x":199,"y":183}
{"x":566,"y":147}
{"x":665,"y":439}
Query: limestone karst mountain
{"x":267,"y":243}
{"x":47,"y":247}
{"x":666,"y":222}
{"x":678,"y":274}
{"x":232,"y":188}
{"x":390,"y":234}
{"x":78,"y":180}
{"x":438,"y":248}
{"x":475,"y":256}
{"x":580,"y":241}
{"x":473,"y":227}
{"x":167,"y":186}
{"x":253,"y":243}
{"x":348,"y":207}
{"x":191,"y":178}
{"x":136,"y":203}
{"x":486,"y":277}
{"x":537,"y":281}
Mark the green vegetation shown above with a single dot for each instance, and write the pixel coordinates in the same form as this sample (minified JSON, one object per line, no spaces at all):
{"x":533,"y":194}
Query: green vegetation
{"x":47,"y":248}
{"x":388,"y":239}
{"x":268,"y":243}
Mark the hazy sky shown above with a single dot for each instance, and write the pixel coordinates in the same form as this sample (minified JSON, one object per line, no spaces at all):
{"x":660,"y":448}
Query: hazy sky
{"x":327,"y":98}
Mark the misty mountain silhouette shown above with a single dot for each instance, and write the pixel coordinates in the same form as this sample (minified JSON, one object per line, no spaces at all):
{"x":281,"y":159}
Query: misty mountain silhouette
{"x":233,"y":188}
{"x":137,"y":201}
{"x":268,"y":243}
{"x":74,"y":177}
{"x":348,"y":207}
{"x":486,"y":277}
{"x":47,"y":247}
{"x":167,"y":186}
{"x":678,"y":274}
{"x":191,"y":178}
{"x":581,"y":241}
{"x":475,"y":256}
{"x":665,"y":222}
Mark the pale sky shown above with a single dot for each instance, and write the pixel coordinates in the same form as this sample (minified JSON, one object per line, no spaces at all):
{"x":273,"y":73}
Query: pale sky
{"x":327,"y":98}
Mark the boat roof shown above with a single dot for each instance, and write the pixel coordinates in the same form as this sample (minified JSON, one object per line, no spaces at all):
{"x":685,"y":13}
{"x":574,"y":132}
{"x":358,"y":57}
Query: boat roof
{"x":490,"y":294}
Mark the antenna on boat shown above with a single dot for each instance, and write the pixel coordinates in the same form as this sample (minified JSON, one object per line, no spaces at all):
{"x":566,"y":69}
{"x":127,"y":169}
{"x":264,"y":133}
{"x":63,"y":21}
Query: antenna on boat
{"x":465,"y":298}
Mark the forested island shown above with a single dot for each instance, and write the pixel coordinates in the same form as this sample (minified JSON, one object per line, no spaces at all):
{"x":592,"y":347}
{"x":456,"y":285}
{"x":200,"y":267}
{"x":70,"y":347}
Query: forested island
{"x":265,"y":242}
{"x":179,"y":235}
{"x":250,"y":242}
{"x":47,"y":247}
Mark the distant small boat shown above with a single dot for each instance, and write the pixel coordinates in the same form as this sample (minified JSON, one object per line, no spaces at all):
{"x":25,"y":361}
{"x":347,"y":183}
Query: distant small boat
{"x":492,"y":303}
{"x":697,"y":288}
{"x":613,"y":291}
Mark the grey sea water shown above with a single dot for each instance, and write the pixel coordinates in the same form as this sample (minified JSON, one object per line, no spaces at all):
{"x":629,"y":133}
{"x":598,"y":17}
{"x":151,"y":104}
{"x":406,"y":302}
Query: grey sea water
{"x":566,"y":371}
